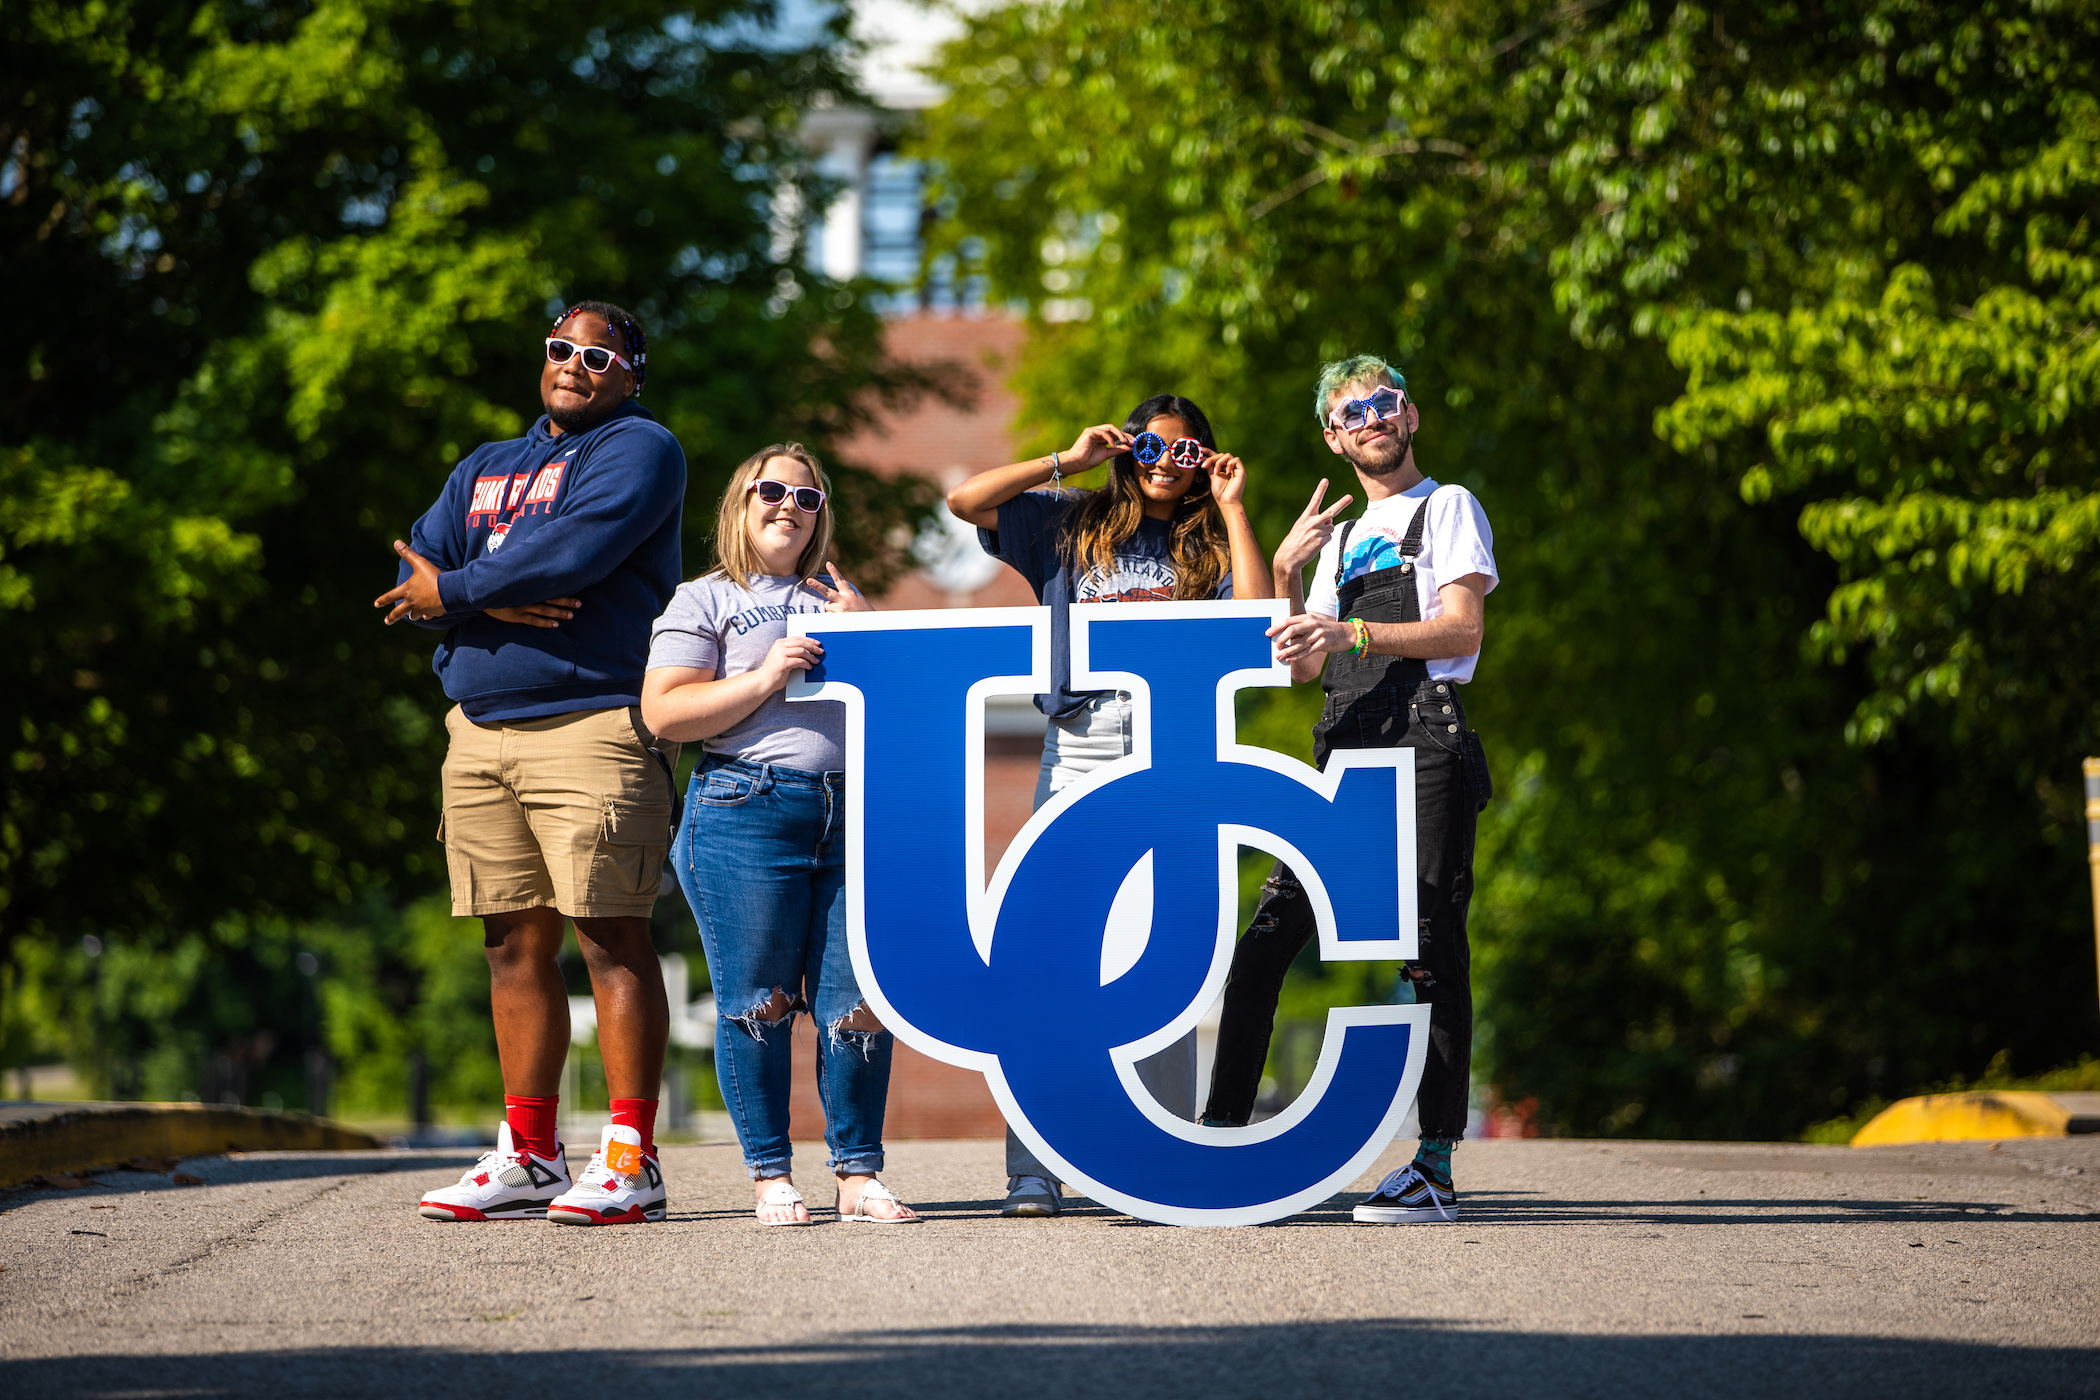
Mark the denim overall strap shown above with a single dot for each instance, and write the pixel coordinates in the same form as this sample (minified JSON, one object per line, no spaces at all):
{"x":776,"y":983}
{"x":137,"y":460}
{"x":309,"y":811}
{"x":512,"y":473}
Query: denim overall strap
{"x":1386,"y":595}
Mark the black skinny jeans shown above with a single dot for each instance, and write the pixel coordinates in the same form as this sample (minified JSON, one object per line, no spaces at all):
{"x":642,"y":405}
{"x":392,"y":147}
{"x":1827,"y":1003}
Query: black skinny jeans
{"x":1450,"y":789}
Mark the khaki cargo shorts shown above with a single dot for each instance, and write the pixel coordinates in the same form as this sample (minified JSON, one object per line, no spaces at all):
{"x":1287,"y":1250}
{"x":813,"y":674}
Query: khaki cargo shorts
{"x":563,"y":810}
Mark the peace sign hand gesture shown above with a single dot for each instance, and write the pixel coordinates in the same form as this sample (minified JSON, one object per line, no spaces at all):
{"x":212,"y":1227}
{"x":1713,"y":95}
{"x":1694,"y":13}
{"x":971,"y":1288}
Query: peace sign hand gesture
{"x":845,"y":598}
{"x":1310,"y":535}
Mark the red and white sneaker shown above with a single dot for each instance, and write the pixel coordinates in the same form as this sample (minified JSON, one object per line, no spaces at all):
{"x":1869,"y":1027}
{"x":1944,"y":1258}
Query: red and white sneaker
{"x":602,"y":1196}
{"x":507,"y":1184}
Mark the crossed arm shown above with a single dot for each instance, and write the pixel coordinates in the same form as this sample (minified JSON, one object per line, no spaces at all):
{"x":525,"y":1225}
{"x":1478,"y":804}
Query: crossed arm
{"x":417,"y":600}
{"x":610,"y":510}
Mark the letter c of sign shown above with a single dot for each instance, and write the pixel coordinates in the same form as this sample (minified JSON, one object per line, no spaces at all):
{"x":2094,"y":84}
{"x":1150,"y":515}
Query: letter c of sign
{"x":1108,"y":928}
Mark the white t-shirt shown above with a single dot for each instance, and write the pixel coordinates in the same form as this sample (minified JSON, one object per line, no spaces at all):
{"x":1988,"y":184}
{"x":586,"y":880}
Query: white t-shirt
{"x":1456,"y":541}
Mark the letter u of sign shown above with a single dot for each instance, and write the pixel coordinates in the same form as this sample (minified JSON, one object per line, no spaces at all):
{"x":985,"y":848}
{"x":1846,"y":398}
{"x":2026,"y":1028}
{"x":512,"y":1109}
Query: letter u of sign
{"x":1108,"y":928}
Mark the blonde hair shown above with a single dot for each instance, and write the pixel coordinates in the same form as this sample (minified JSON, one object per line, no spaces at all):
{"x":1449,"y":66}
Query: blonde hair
{"x":735,"y":559}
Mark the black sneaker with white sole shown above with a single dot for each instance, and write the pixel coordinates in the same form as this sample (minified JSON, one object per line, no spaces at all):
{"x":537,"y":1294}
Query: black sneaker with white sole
{"x":1409,"y":1197}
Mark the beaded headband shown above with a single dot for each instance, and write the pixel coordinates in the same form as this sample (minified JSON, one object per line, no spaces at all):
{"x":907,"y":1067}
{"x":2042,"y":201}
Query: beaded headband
{"x":637,"y":343}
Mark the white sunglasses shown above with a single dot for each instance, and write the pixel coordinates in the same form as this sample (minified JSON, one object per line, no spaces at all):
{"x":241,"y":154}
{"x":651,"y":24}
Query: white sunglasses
{"x":808,"y":499}
{"x":596,"y":358}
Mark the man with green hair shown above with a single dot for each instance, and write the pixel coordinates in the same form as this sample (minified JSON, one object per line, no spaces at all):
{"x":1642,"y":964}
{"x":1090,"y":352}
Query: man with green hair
{"x":1392,"y":629}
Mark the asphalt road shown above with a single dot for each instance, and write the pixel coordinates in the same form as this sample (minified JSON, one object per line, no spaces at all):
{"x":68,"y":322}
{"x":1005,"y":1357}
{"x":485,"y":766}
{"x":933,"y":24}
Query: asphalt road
{"x":1578,"y":1268}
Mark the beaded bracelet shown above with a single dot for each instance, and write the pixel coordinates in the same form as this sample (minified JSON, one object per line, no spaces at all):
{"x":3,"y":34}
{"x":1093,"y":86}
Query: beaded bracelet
{"x":1361,"y":630}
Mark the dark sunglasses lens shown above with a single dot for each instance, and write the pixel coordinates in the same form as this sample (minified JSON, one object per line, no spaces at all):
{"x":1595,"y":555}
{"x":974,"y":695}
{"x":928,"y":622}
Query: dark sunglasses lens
{"x":558,"y":352}
{"x":597,"y":359}
{"x":772,"y":492}
{"x":1148,"y":448}
{"x":808,"y":499}
{"x":1188,"y":454}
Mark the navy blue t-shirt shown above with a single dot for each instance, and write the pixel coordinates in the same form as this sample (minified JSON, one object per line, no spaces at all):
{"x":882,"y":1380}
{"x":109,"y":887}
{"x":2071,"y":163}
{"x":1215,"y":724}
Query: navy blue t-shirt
{"x":1031,"y":537}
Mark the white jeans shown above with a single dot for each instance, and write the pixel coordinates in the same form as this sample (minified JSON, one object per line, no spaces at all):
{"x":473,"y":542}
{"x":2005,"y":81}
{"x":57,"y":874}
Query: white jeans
{"x":1072,"y":748}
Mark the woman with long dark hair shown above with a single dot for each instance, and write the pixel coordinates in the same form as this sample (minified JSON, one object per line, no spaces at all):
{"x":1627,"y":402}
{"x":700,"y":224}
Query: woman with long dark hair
{"x":1169,"y":523}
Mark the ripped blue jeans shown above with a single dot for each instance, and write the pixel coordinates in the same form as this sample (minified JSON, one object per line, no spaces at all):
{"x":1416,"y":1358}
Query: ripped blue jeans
{"x":762,"y":857}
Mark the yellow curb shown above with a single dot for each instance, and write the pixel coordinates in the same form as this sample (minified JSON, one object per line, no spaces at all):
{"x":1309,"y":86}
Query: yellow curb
{"x":1965,"y":1118}
{"x":40,"y":1141}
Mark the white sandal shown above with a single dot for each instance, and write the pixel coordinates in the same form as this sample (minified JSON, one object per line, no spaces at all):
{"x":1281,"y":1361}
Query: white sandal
{"x":881,"y":1193}
{"x":783,"y":1193}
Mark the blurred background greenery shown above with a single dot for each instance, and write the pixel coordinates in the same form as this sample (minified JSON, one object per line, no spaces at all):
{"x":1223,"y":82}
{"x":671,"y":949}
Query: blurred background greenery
{"x":272,"y":269}
{"x":1764,"y":332}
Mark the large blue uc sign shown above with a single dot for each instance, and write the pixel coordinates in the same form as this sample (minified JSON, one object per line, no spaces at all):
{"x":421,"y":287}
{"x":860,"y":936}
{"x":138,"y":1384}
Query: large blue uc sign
{"x":1108,"y":927}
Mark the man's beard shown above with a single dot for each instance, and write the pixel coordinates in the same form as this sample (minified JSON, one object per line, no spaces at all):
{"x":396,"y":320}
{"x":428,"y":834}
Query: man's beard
{"x":1403,"y":444}
{"x":576,"y":420}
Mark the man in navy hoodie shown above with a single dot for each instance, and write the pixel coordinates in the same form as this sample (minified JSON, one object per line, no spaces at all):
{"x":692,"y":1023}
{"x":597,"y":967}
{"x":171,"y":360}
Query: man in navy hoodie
{"x":544,"y":563}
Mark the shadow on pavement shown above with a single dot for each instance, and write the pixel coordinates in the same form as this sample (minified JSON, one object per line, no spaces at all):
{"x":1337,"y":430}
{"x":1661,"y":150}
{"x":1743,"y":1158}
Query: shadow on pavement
{"x":1491,"y":1209}
{"x":1339,"y":1359}
{"x":255,"y":1169}
{"x":1791,"y":1210}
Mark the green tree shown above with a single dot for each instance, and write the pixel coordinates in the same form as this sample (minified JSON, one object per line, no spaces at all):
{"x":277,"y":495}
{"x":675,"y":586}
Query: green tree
{"x":273,"y":267}
{"x":1740,"y":869}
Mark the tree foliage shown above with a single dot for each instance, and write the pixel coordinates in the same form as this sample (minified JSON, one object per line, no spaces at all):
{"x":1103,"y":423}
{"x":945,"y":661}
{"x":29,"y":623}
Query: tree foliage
{"x":273,"y":267}
{"x":1765,"y":334}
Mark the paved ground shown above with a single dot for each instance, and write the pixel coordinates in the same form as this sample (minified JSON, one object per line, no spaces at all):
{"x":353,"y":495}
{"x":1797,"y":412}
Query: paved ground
{"x":1580,"y":1268}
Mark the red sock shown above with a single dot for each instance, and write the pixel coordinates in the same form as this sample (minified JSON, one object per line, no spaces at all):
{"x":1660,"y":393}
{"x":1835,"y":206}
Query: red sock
{"x":640,"y":1115}
{"x":531,"y":1123}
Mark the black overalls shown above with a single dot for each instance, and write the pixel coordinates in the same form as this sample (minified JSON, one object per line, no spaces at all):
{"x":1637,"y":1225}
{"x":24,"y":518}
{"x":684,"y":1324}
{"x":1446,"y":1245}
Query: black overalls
{"x":1378,"y":702}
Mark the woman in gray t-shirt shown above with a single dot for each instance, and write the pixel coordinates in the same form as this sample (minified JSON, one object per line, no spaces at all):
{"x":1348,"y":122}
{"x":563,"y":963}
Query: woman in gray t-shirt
{"x":761,"y":853}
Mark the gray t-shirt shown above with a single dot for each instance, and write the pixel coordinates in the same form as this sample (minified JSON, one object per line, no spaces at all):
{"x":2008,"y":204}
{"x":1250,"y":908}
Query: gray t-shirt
{"x":714,"y":625}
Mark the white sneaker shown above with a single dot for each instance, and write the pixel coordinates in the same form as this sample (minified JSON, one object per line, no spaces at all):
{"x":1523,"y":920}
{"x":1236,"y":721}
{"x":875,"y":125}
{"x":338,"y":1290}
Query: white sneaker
{"x":602,"y":1196}
{"x":507,"y":1184}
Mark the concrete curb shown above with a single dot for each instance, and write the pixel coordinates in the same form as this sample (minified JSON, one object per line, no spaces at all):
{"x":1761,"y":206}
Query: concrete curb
{"x":38,"y":1139}
{"x":2004,"y":1113}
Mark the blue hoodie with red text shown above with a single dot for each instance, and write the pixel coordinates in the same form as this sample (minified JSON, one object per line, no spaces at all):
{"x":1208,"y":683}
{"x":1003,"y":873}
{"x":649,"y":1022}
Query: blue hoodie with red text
{"x":593,"y":515}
